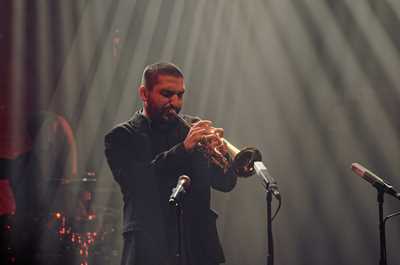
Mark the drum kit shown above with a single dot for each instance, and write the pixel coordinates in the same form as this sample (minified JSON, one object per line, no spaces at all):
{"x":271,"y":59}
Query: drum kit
{"x":83,"y":226}
{"x":75,"y":228}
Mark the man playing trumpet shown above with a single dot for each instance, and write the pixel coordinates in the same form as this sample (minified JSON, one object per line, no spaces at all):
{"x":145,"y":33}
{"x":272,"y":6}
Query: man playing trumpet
{"x":147,"y":154}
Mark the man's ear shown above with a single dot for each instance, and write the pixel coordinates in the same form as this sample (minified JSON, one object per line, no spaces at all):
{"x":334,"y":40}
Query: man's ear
{"x":143,"y":93}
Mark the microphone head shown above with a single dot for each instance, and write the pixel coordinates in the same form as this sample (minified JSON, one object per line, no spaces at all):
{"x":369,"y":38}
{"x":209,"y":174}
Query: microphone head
{"x":358,"y":169}
{"x":185,"y":180}
{"x":365,"y":173}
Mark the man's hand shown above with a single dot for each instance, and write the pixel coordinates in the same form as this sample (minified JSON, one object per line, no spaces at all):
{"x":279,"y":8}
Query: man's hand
{"x":197,"y":133}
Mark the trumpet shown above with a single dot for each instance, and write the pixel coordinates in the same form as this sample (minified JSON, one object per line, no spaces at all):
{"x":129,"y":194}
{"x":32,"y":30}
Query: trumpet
{"x":241,"y":161}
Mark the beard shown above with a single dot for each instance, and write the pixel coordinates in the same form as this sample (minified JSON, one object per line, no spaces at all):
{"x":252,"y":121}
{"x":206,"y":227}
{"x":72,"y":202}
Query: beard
{"x":164,"y":116}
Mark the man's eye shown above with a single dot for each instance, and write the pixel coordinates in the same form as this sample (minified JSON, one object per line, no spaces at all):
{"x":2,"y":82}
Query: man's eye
{"x":167,"y":94}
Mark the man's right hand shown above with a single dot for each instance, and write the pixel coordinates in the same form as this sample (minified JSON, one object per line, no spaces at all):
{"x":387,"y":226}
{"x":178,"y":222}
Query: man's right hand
{"x":197,"y":132}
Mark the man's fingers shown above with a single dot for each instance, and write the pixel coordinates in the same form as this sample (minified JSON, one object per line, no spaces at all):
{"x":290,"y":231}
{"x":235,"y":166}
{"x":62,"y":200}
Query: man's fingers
{"x":198,"y":131}
{"x":202,"y":132}
{"x":219,"y":132}
{"x":202,"y":124}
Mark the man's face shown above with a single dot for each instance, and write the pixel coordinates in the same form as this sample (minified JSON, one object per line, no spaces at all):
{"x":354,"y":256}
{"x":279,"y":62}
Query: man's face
{"x":165,"y":99}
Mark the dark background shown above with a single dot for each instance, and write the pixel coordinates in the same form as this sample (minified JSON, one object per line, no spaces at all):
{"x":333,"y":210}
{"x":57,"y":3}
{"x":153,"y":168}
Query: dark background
{"x":314,"y":85}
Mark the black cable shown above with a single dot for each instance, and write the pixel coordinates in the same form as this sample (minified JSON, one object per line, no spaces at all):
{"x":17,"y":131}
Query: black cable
{"x":277,"y":210}
{"x":279,"y":200}
{"x":387,"y":217}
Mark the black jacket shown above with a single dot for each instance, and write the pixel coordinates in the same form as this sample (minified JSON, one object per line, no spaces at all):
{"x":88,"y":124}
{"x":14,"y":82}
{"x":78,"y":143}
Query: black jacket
{"x":147,"y":162}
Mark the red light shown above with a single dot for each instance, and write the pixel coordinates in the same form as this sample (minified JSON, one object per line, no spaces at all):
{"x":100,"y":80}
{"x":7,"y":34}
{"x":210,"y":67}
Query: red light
{"x":61,"y":231}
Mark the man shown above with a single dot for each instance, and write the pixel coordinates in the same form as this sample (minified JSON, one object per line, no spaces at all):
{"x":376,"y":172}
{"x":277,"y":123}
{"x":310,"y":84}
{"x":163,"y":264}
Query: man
{"x":147,"y":154}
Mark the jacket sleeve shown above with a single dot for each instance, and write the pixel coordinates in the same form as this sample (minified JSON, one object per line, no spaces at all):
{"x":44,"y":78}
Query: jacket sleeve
{"x":210,"y":174}
{"x":222,"y":181}
{"x":175,"y":161}
{"x":129,"y":153}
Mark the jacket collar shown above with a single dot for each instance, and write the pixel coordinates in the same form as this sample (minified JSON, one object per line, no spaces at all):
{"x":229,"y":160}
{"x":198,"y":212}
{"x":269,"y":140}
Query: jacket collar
{"x":139,"y":122}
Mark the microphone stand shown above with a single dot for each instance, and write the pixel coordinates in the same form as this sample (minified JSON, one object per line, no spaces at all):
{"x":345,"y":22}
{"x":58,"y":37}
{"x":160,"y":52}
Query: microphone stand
{"x":179,"y":220}
{"x":270,"y":251}
{"x":271,"y":189}
{"x":382,"y":227}
{"x":179,"y":258}
{"x":382,"y":232}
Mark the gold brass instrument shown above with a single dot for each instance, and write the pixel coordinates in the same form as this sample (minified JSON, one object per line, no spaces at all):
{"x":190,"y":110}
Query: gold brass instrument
{"x":241,"y":161}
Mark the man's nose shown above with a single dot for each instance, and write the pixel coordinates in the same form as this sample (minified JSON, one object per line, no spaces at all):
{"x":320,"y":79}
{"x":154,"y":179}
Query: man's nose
{"x":174,"y":100}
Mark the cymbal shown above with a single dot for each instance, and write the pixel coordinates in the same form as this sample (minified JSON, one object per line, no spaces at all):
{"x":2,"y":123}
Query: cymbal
{"x":67,"y":181}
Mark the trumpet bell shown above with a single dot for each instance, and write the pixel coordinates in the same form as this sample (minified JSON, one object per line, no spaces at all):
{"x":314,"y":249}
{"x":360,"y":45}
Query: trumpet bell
{"x":243,"y":160}
{"x":243,"y":163}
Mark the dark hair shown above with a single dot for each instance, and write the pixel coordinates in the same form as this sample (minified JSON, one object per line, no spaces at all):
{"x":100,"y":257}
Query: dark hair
{"x":152,"y":71}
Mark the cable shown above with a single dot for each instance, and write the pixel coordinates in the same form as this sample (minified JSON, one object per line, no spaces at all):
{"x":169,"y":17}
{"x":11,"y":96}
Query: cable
{"x":279,"y":200}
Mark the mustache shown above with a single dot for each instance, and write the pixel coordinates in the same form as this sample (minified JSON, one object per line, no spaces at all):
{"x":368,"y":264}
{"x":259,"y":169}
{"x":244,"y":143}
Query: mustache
{"x":169,"y":108}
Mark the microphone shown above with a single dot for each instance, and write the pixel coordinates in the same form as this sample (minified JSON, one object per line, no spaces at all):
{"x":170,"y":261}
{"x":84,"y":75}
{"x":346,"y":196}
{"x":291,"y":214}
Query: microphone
{"x":262,"y":171}
{"x":180,"y":189}
{"x":376,"y":181}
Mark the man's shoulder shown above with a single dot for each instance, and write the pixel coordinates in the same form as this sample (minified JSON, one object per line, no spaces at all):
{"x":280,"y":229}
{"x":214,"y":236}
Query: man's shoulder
{"x":120,"y":129}
{"x":136,"y":124}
